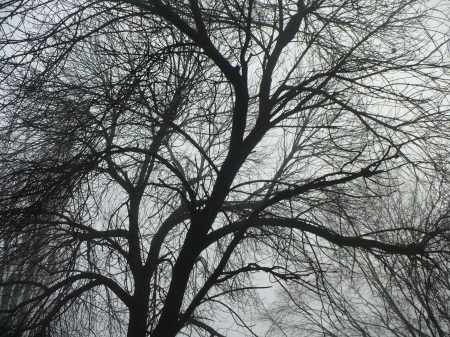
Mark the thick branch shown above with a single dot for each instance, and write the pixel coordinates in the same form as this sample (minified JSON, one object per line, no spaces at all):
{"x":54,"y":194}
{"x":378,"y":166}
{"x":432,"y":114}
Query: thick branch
{"x":113,"y":233}
{"x":283,"y":39}
{"x":159,"y":8}
{"x":207,"y":328}
{"x":179,"y":215}
{"x":330,"y":236}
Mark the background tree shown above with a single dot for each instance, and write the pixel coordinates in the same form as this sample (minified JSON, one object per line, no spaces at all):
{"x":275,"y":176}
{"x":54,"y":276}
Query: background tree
{"x":159,"y":155}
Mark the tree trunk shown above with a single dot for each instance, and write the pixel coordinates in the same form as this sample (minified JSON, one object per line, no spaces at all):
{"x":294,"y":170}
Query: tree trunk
{"x":137,"y":324}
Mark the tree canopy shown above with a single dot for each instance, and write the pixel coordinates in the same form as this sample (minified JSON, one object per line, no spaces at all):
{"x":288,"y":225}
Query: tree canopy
{"x":163,"y":162}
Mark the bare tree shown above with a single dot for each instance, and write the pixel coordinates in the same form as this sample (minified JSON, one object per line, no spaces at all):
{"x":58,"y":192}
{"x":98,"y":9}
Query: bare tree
{"x":158,"y":155}
{"x":376,"y":295}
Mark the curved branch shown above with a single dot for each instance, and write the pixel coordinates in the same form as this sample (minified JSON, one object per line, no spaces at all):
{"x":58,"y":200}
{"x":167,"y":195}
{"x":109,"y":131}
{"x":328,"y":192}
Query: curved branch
{"x":74,"y":294}
{"x":204,"y":326}
{"x":172,"y":220}
{"x":95,"y":234}
{"x":102,"y":280}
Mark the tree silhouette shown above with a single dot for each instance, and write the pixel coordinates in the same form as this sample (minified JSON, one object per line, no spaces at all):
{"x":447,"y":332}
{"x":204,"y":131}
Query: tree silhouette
{"x":159,"y":156}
